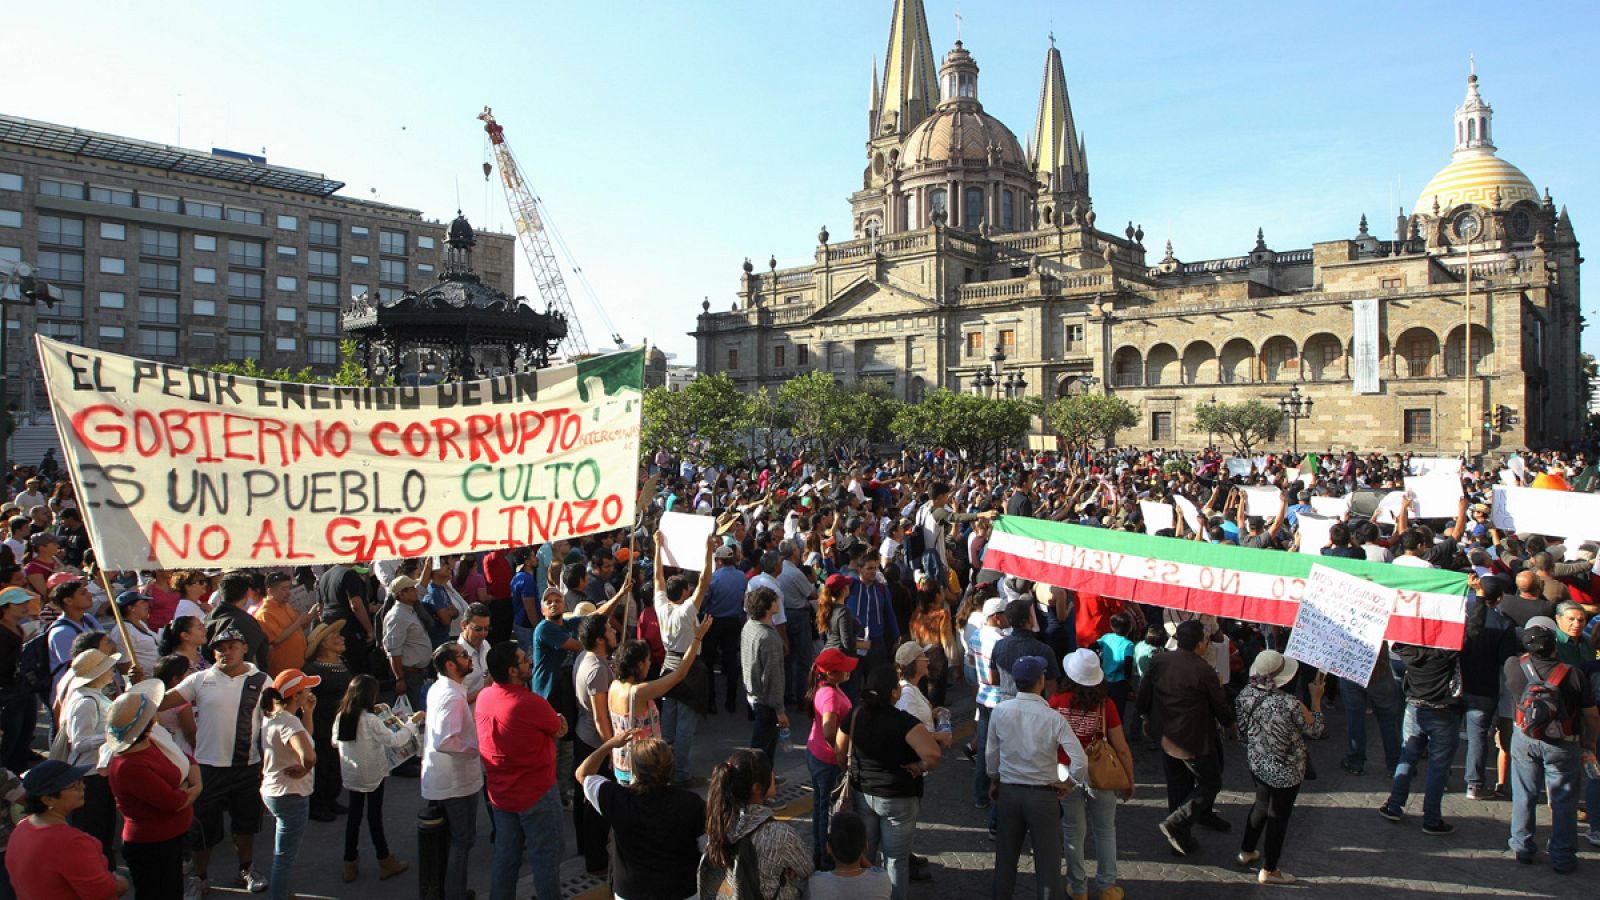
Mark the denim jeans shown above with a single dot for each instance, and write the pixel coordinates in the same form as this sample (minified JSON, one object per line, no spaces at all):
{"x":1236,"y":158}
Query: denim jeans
{"x":764,"y":735}
{"x":1434,"y":732}
{"x":891,"y":826}
{"x":1560,"y":764}
{"x":1097,"y":810}
{"x":678,"y":724}
{"x":461,"y":815}
{"x":980,"y":772}
{"x":539,"y":828}
{"x":1384,"y":696}
{"x":1480,"y":740}
{"x":824,"y":777}
{"x":797,"y":665}
{"x":1591,"y":786}
{"x":523,"y":637}
{"x":292,"y":812}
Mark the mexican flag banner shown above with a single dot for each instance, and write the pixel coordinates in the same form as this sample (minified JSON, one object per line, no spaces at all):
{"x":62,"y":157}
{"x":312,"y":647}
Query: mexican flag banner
{"x":1220,"y":579}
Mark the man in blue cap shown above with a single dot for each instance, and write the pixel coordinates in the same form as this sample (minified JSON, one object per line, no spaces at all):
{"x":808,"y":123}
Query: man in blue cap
{"x":1025,"y":781}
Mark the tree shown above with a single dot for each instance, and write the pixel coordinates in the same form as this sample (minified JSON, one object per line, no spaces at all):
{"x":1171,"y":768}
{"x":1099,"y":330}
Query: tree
{"x":349,"y":374}
{"x":865,"y":414}
{"x":965,"y":422}
{"x":1245,"y":425}
{"x":1082,"y":420}
{"x":706,"y":419}
{"x":812,"y":404}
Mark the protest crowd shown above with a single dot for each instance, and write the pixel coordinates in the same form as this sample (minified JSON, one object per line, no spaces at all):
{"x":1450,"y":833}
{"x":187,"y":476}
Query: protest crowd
{"x":847,"y":603}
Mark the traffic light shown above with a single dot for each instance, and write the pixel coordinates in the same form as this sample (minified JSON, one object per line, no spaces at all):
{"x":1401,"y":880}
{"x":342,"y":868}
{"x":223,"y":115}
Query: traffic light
{"x":1488,"y":420}
{"x":1499,"y":417}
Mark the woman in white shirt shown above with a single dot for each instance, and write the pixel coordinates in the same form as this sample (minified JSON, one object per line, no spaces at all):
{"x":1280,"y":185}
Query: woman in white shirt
{"x":142,"y":643}
{"x":911,"y":660}
{"x":364,"y":733}
{"x":288,"y":758}
{"x":81,"y":741}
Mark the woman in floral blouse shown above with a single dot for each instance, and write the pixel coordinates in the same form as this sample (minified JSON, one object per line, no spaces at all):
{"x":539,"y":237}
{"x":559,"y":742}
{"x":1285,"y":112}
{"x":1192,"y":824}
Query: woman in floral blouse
{"x":1275,"y":725}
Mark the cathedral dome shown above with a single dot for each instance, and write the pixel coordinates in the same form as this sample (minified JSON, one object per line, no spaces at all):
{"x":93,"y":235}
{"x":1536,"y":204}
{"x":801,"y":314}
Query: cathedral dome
{"x":958,"y":134}
{"x":1473,"y":176}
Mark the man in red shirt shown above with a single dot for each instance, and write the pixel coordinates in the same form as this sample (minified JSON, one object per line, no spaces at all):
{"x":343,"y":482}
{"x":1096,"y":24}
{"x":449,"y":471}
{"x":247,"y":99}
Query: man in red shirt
{"x":517,"y":734}
{"x":497,"y":570}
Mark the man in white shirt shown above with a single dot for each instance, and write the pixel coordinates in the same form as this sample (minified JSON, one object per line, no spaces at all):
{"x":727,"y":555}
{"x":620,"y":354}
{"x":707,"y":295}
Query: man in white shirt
{"x":452,"y":775}
{"x":679,"y":613}
{"x":475,"y":638}
{"x":1024,"y":785}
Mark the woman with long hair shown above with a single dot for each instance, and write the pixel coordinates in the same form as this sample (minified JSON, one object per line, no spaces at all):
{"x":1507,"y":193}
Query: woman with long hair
{"x":178,"y":720}
{"x":363,"y":733}
{"x":63,"y":497}
{"x":184,"y":636}
{"x":655,"y":827}
{"x":1084,"y":699}
{"x":829,"y":706}
{"x":892,"y":752}
{"x":469,"y":580}
{"x":631,"y":698}
{"x":838,"y":626}
{"x":740,"y":826}
{"x":43,"y":560}
{"x":1275,"y":725}
{"x":932,"y":627}
{"x":287,"y":760}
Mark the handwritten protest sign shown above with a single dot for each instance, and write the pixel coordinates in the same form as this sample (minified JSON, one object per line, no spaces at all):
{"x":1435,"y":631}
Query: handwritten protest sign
{"x":1157,"y":516}
{"x":683,"y":539}
{"x":182,"y":467}
{"x":1341,"y":623}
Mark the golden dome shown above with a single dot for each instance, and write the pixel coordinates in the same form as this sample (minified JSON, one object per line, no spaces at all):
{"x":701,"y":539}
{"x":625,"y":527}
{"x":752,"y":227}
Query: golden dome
{"x":1472,"y":177}
{"x":961,"y":133}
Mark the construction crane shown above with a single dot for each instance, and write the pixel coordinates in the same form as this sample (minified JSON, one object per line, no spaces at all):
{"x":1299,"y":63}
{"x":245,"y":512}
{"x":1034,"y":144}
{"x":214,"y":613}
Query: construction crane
{"x":535,"y":237}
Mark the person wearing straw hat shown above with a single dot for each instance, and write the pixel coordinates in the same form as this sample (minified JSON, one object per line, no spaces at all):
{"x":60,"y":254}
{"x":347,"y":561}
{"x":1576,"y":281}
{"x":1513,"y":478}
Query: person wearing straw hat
{"x":1275,"y":726}
{"x":155,"y":784}
{"x":325,"y":647}
{"x":81,"y":742}
{"x":47,"y":857}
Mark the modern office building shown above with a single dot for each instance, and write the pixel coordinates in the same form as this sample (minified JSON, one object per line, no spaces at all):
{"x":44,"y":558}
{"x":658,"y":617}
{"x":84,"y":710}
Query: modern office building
{"x":198,"y":257}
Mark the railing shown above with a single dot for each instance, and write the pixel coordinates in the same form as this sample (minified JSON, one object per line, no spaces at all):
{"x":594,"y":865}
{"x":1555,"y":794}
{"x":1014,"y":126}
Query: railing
{"x":1493,"y":267}
{"x":1026,"y":242}
{"x":992,"y":290}
{"x":1208,"y":266}
{"x":1294,"y":257}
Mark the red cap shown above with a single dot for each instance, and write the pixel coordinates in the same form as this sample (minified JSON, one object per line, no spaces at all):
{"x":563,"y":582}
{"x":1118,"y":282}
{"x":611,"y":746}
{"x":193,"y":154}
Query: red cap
{"x":835,"y":660}
{"x":838,"y":581}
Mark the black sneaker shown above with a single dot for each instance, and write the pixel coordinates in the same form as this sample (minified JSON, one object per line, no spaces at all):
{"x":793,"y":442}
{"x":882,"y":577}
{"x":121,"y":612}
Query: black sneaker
{"x":1214,"y":822}
{"x":1179,"y":838}
{"x":1438,"y":828}
{"x":1390,"y":814}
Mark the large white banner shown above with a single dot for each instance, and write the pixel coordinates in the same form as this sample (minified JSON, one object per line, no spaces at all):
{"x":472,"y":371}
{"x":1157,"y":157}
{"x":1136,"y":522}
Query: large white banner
{"x":1563,"y":514}
{"x":180,"y":467}
{"x":1364,"y":347}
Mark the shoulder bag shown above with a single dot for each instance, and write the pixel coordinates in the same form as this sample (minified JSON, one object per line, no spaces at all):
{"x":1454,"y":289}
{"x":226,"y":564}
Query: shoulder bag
{"x":1106,"y":771}
{"x":844,"y":793}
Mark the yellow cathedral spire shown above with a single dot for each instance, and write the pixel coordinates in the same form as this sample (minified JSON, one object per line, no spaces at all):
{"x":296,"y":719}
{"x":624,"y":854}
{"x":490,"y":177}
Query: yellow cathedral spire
{"x":910,"y":79}
{"x":1056,"y":148}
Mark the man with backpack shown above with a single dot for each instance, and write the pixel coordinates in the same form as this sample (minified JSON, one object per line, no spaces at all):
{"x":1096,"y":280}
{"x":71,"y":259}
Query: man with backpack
{"x":74,"y":601}
{"x":1556,"y":725}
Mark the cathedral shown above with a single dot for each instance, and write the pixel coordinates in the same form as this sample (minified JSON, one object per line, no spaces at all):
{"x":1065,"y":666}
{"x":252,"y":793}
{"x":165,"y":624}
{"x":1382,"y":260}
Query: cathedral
{"x":979,"y":263}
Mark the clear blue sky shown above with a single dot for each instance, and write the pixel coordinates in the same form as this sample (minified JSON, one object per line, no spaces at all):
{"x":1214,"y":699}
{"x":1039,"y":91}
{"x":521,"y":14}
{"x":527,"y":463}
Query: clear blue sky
{"x":671,"y":140}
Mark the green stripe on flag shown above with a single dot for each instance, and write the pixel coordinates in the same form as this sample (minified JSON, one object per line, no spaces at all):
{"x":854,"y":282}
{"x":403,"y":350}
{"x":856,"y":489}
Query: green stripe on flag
{"x":1230,"y":556}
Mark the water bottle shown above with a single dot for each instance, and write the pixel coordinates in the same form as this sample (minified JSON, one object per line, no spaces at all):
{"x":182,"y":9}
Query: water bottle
{"x":1591,"y":766}
{"x":783,"y":735}
{"x":942,"y":720}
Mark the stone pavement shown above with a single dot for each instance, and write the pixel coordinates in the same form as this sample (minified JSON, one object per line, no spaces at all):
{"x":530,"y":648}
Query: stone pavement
{"x":1338,"y":845}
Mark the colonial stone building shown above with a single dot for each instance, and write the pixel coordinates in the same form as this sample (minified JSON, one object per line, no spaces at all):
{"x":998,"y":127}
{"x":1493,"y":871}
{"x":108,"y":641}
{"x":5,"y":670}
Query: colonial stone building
{"x":975,"y":259}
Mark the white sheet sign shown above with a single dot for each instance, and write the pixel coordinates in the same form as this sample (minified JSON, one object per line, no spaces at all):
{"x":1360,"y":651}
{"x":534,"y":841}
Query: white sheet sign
{"x":1340,"y":624}
{"x":1238,"y":467}
{"x":1262,"y":501}
{"x":1425,"y":465}
{"x":1330,"y":506}
{"x":1191,"y":514}
{"x":1156,"y":516}
{"x":1314,"y":532}
{"x":1434,"y":496}
{"x":1564,"y":514}
{"x":683,"y":540}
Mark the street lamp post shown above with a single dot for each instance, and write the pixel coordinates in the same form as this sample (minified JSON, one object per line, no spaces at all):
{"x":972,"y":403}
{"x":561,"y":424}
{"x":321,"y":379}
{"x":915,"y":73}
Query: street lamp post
{"x":1294,"y":408}
{"x":30,"y":291}
{"x":1211,"y":434}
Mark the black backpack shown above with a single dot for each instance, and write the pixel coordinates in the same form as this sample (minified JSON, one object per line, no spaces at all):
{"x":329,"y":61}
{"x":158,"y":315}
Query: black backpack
{"x":1539,"y":708}
{"x":917,"y":540}
{"x":34,"y":672}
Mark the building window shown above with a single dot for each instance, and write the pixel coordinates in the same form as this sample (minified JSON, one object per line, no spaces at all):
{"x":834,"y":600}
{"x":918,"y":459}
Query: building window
{"x":113,"y":265}
{"x":286,"y":252}
{"x":113,"y":196}
{"x":244,"y":284}
{"x":392,"y":243}
{"x":1008,"y":341}
{"x":206,"y":308}
{"x":284,"y":345}
{"x":357,"y":290}
{"x":59,"y":231}
{"x":244,"y":216}
{"x":802,"y":355}
{"x":1391,"y":284}
{"x":1418,"y":424}
{"x":1074,"y":336}
{"x":66,"y":190}
{"x":70,"y":306}
{"x":202,"y":209}
{"x":202,"y":340}
{"x":286,"y":314}
{"x":113,"y":231}
{"x":733,"y":359}
{"x":288,"y":223}
{"x":1417,"y":349}
{"x":1161,"y":427}
{"x":972,"y":208}
{"x":392,"y":270}
{"x":56,"y":266}
{"x":158,"y":243}
{"x":323,"y":233}
{"x":158,"y":310}
{"x":424,"y":269}
{"x":386,"y":294}
{"x":244,"y":315}
{"x":205,"y":243}
{"x":158,"y":342}
{"x":112,"y":333}
{"x":10,"y":181}
{"x":974,"y":343}
{"x":322,"y":322}
{"x":246,"y":253}
{"x":360,"y":262}
{"x":424,"y":243}
{"x":322,"y":293}
{"x":288,"y":283}
{"x":203,"y":275}
{"x":158,"y":276}
{"x":242,"y":347}
{"x":777,"y":357}
{"x":71,"y":332}
{"x":158,"y":203}
{"x":1008,"y":211}
{"x":113,"y":300}
{"x":938,"y":201}
{"x":360,"y":231}
{"x":322,"y":262}
{"x":323,"y":353}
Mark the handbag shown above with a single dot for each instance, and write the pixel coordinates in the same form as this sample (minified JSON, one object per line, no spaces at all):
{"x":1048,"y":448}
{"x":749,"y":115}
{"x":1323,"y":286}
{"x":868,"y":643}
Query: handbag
{"x":1106,"y":771}
{"x":844,"y":793}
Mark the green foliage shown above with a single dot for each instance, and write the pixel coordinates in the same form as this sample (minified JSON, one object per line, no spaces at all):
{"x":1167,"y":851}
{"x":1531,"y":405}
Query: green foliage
{"x":967,"y":422}
{"x":349,"y":373}
{"x":1083,"y":420}
{"x":822,"y":413}
{"x":706,"y":418}
{"x":1245,"y":425}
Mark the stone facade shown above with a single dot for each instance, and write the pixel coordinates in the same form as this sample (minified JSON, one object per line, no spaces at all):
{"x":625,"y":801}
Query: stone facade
{"x":925,"y":292}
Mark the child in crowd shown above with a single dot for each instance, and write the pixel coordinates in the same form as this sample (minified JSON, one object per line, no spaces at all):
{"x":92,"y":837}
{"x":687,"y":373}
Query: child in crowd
{"x":1155,"y":641}
{"x":851,"y":877}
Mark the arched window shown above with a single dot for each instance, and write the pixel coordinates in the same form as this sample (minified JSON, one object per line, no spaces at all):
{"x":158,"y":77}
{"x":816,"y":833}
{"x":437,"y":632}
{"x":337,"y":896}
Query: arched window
{"x":1472,"y":129}
{"x":972,"y":208}
{"x":1008,"y":213}
{"x":938,"y":201}
{"x":1483,"y":127}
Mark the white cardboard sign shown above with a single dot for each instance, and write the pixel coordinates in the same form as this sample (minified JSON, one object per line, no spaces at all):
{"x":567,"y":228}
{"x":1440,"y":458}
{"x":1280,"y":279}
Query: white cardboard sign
{"x":1340,"y":625}
{"x":683,"y":540}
